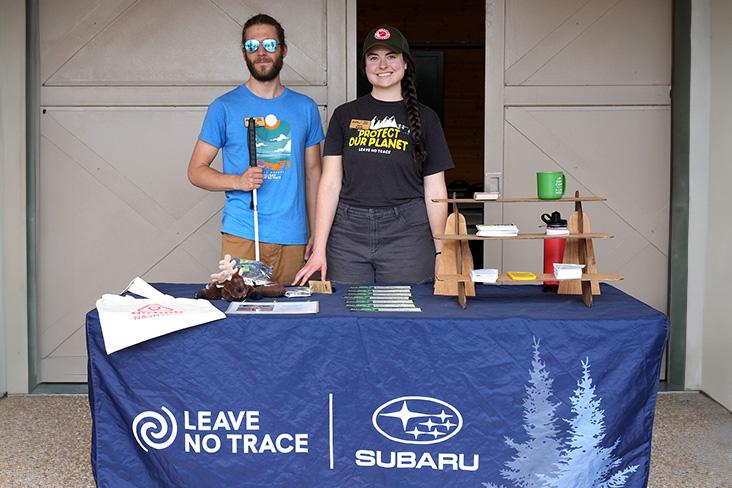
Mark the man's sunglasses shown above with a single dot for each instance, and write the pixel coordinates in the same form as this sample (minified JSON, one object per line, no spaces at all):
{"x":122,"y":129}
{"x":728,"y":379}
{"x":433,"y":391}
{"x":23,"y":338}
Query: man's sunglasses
{"x":252,"y":45}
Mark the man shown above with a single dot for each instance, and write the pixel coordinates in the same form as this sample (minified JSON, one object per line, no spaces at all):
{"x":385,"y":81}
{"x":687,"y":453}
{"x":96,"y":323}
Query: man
{"x":287,"y":172}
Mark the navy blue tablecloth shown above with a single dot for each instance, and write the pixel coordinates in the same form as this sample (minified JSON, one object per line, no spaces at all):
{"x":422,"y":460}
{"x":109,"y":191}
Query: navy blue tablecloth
{"x":523,"y":388}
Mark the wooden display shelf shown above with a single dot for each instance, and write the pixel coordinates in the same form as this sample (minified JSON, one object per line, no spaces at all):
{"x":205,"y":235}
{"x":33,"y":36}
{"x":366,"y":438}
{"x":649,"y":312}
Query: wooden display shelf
{"x":589,"y":198}
{"x":452,"y":280}
{"x":540,"y":278}
{"x":538,"y":235}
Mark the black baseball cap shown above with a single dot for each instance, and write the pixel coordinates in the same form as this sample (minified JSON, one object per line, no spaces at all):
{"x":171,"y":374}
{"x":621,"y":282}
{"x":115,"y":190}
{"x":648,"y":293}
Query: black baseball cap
{"x":386,"y":35}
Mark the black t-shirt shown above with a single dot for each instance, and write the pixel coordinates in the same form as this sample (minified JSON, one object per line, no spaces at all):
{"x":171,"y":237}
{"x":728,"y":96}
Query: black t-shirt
{"x":374,"y":139}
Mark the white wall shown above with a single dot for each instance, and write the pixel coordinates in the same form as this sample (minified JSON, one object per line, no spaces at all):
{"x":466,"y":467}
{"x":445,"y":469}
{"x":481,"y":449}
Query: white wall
{"x":13,"y":276}
{"x":717,"y":340}
{"x":700,"y":84}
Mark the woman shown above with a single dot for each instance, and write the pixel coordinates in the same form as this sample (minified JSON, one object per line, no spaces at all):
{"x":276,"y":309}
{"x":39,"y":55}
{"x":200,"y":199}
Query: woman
{"x":384,"y":160}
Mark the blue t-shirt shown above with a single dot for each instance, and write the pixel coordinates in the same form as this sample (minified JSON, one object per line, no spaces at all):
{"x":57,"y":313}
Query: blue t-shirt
{"x":291,"y":123}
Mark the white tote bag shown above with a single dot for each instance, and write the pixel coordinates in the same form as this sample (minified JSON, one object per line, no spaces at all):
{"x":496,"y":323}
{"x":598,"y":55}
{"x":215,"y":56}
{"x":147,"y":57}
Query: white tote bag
{"x":127,"y":321}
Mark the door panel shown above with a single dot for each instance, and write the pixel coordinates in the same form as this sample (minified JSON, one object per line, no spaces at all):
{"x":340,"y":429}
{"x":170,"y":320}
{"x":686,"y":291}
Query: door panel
{"x":174,"y":42}
{"x":615,"y":152}
{"x":605,"y":42}
{"x":102,"y":220}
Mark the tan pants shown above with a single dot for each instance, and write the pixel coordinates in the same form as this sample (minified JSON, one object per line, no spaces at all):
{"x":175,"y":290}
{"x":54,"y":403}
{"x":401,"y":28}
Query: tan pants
{"x":285,"y":260}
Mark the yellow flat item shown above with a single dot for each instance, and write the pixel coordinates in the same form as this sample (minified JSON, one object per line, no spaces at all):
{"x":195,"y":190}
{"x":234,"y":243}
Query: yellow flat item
{"x":522,"y":275}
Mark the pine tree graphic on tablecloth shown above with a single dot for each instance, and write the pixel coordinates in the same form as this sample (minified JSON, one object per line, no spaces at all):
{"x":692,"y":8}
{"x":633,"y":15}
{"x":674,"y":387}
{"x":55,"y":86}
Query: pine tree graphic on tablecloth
{"x":541,"y":461}
{"x":584,"y":462}
{"x":540,"y":452}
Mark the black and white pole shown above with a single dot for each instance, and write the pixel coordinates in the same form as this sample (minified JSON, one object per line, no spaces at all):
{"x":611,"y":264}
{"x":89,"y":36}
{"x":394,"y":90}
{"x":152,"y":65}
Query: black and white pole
{"x":252,"y":133}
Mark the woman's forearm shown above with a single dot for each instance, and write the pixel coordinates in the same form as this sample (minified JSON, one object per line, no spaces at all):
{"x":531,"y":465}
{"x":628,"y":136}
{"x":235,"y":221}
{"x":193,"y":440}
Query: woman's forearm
{"x":327,"y":202}
{"x":434,"y":188}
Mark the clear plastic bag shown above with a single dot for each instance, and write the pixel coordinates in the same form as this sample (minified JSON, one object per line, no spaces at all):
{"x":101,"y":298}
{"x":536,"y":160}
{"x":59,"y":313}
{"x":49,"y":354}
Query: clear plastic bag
{"x":253,"y":272}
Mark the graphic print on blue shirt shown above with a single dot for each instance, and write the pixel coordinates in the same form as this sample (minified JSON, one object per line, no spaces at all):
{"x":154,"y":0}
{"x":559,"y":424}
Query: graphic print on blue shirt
{"x":274,"y":144}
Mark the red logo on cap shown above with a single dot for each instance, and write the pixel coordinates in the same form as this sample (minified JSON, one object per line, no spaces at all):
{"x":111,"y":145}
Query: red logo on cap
{"x":382,"y":34}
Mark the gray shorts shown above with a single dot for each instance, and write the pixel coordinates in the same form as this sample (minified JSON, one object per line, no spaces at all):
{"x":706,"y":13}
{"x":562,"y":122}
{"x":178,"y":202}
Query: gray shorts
{"x":381,"y":245}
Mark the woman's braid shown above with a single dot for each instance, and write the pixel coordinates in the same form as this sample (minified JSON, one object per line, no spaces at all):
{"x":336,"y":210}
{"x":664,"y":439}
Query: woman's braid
{"x":409,"y":94}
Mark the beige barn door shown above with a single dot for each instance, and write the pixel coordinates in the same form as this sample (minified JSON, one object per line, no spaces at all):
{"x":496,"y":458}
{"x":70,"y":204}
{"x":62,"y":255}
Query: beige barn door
{"x":125,"y":85}
{"x":583,"y":87}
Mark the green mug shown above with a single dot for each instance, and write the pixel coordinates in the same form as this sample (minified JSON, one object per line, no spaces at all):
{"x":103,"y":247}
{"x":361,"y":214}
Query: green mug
{"x":550,"y":185}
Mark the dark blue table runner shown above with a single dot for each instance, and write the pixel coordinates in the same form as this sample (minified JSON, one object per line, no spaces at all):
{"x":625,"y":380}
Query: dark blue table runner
{"x":523,"y":388}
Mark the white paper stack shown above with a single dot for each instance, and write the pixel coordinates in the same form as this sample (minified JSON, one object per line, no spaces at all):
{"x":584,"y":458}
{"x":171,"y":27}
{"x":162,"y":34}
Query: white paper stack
{"x":568,"y":271}
{"x":488,"y":275}
{"x":497,"y":230}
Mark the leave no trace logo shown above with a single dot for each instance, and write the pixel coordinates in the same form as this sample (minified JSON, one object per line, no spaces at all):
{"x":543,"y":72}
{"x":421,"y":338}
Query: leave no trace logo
{"x":151,"y":429}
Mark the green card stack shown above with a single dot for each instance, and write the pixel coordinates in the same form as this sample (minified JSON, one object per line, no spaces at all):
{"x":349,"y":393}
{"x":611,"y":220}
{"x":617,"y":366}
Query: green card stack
{"x":380,"y":298}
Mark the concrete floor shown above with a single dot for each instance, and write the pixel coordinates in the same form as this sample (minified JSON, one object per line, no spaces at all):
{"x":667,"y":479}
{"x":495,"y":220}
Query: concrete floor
{"x":44,"y":442}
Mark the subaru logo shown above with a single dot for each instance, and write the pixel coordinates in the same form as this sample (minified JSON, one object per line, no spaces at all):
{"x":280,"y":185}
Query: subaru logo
{"x":417,"y":420}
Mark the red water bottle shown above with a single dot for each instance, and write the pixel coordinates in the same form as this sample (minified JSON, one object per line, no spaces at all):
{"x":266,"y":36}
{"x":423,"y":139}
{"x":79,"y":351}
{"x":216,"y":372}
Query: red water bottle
{"x":553,"y":248}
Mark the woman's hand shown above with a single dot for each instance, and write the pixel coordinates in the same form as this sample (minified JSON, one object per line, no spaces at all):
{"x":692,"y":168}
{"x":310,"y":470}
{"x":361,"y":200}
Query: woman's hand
{"x":317,"y":262}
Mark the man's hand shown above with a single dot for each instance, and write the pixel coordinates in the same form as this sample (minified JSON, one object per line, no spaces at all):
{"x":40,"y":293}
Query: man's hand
{"x":251,"y":179}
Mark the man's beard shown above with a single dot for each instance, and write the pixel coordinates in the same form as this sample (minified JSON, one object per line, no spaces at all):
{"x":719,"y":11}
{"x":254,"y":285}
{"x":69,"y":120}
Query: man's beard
{"x":277,"y":62}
